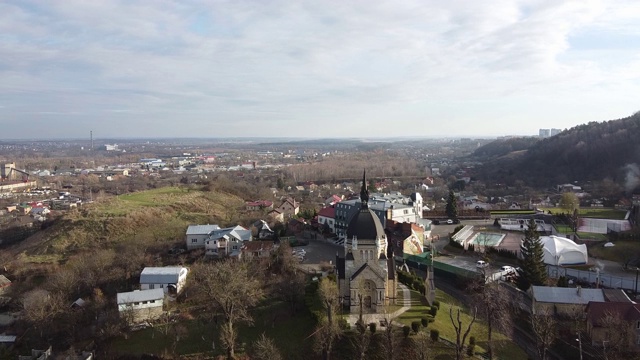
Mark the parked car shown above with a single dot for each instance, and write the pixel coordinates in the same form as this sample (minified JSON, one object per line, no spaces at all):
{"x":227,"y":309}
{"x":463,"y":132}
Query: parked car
{"x":507,"y":268}
{"x":482,"y":264}
{"x":449,"y":221}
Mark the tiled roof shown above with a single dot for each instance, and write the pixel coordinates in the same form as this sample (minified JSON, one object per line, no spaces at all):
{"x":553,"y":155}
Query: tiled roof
{"x":329,"y":212}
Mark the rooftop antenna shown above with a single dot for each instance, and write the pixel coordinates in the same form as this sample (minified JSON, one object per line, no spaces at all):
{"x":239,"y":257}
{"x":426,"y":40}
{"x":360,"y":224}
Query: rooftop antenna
{"x":91,"y":138}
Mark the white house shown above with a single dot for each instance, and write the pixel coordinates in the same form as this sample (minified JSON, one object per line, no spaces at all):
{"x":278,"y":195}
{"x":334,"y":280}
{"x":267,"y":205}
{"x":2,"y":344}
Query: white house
{"x":197,"y":234}
{"x":227,"y":241}
{"x":140,"y":305}
{"x":170,"y":279}
{"x":327,"y":217}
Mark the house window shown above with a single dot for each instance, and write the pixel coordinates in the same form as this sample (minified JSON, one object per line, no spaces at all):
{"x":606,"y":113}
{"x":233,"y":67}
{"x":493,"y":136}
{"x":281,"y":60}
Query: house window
{"x":638,"y":340}
{"x":136,"y":303}
{"x":152,"y":286}
{"x":152,"y":301}
{"x":194,"y":241}
{"x":161,"y":286}
{"x":145,"y":302}
{"x":638,"y":325}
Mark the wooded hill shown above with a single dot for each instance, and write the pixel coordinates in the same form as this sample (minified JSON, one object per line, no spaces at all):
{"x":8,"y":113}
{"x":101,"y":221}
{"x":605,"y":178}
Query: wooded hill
{"x":589,"y":152}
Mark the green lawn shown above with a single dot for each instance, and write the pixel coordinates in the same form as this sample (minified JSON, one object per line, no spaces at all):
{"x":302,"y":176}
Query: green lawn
{"x":289,"y":332}
{"x":506,"y":349}
{"x":512,"y":212}
{"x":600,"y":213}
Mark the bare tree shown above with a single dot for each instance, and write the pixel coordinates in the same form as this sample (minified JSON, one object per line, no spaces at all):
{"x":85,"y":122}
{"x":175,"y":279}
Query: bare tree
{"x":328,"y":329}
{"x":618,"y":334}
{"x":231,"y":290}
{"x":362,"y":339}
{"x":421,"y":344}
{"x":265,"y":349}
{"x":544,"y":326}
{"x":457,"y":326}
{"x":390,"y":339}
{"x":291,"y":289}
{"x":495,"y":307}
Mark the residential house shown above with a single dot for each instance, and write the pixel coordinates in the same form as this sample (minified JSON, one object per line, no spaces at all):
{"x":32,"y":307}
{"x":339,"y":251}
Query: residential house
{"x":42,"y":211}
{"x":276,"y":215}
{"x":327,"y":218}
{"x":257,"y":249}
{"x":289,"y":207}
{"x":140,"y":305}
{"x":259,"y":205}
{"x":260,"y":230}
{"x":332,"y":200}
{"x":227,"y":241}
{"x":197,"y":234}
{"x":613,"y":322}
{"x":170,"y":279}
{"x":562,"y":301}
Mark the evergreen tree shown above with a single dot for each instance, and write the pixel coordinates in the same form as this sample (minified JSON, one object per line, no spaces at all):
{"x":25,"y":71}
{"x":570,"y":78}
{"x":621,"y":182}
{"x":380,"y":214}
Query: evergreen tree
{"x":533,"y":270}
{"x":452,"y":205}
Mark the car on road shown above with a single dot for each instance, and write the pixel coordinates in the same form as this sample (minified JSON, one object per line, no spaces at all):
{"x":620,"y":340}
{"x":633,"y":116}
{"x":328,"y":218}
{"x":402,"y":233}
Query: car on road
{"x":449,"y":221}
{"x":507,"y":268}
{"x":481,"y":264}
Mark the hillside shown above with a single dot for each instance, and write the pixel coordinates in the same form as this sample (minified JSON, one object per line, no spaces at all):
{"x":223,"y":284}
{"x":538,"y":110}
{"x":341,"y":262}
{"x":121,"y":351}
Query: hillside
{"x":589,"y":152}
{"x":143,"y":220}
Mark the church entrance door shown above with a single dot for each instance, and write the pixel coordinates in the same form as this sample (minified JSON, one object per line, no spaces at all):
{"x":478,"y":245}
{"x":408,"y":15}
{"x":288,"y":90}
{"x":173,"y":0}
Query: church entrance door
{"x":367,"y":302}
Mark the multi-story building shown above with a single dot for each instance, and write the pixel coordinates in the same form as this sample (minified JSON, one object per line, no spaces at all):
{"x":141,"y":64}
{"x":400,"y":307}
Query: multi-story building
{"x":394,"y":206}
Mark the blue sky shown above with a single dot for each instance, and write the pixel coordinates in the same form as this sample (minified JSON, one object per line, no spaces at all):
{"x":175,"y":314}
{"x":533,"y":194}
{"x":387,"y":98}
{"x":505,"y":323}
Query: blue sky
{"x":314,"y":68}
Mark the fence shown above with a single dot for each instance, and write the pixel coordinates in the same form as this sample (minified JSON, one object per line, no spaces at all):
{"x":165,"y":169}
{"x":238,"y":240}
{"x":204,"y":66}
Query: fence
{"x":592,"y":278}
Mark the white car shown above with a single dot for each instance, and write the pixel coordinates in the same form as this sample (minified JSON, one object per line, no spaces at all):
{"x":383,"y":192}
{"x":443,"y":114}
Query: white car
{"x":482,"y":264}
{"x":507,"y":268}
{"x":449,"y":221}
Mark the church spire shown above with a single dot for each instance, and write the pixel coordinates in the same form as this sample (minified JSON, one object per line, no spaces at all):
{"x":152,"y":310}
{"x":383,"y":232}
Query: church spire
{"x":364,"y":192}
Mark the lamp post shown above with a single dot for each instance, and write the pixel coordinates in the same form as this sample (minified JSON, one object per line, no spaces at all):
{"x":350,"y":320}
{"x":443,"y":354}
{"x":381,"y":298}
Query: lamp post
{"x":579,"y":344}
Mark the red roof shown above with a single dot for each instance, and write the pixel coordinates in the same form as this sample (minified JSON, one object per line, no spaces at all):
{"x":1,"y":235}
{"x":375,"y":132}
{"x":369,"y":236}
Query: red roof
{"x":328,"y":212}
{"x":596,"y":311}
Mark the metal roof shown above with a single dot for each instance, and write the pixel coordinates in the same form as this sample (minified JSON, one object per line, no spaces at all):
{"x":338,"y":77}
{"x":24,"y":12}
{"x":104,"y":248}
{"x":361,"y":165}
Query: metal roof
{"x":161,"y":275}
{"x":201,"y":229}
{"x":140,"y":295}
{"x":561,"y":295}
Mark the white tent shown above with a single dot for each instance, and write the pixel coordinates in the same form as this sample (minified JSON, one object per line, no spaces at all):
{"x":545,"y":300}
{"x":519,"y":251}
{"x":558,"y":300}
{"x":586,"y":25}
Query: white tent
{"x":563,"y":251}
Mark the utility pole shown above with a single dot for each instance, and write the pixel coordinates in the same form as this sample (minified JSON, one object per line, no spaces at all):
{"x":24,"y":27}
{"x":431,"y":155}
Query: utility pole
{"x":579,"y":343}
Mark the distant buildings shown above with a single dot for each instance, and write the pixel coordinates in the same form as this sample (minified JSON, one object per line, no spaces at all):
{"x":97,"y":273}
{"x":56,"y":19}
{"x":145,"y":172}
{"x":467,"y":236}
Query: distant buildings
{"x":545,"y":133}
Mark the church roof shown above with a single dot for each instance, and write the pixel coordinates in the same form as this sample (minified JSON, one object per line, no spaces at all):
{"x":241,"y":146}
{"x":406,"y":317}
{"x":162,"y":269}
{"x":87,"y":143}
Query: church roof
{"x":362,"y":268}
{"x":364,"y":224}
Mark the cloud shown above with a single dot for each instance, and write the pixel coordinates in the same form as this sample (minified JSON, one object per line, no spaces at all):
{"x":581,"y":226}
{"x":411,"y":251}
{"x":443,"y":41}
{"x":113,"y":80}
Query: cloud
{"x":200,"y":66}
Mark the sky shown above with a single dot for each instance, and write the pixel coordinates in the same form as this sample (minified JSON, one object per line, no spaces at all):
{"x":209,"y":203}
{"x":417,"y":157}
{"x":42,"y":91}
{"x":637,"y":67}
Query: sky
{"x":314,"y":69}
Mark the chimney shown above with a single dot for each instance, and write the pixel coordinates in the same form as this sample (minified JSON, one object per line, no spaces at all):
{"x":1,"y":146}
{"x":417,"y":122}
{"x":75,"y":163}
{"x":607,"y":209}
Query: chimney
{"x":579,"y":288}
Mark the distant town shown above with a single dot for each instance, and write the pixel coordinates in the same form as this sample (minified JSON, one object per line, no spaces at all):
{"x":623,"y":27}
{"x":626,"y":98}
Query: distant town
{"x":337,"y":248}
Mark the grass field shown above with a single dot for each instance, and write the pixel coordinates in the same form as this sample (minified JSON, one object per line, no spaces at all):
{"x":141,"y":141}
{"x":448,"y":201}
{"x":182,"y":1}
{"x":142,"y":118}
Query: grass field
{"x":506,"y":349}
{"x":290,"y":334}
{"x":599,"y":213}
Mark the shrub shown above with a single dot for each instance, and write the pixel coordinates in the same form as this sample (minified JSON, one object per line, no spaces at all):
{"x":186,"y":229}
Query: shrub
{"x":415,"y":326}
{"x":372,"y":327}
{"x":471,"y":349}
{"x":436,"y":303}
{"x":433,"y":311}
{"x":343,"y":324}
{"x":472,"y":340}
{"x":434,"y":335}
{"x":425,"y":322}
{"x":406,"y":331}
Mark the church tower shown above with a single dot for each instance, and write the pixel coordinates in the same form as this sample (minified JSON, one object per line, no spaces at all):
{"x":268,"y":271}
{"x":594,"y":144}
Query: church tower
{"x":366,"y":272}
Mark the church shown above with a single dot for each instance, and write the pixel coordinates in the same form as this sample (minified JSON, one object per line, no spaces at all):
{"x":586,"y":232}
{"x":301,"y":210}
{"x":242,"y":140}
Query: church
{"x":366,"y":270}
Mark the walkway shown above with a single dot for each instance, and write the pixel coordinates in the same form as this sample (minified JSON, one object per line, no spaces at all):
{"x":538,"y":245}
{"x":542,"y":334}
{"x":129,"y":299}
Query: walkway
{"x":378,"y":317}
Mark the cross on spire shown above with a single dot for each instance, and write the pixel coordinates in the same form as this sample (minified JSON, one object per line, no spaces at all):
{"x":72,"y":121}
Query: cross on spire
{"x":364,"y":192}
